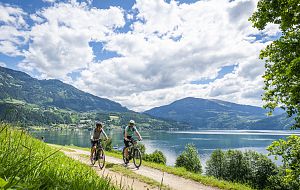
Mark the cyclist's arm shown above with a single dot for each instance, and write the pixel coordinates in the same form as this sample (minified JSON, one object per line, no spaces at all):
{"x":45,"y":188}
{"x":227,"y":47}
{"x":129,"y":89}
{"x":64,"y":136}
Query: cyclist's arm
{"x":125,"y":135}
{"x":138,"y":134}
{"x":104,"y":134}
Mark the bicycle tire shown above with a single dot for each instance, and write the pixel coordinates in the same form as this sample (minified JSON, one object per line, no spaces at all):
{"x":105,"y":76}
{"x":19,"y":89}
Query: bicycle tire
{"x":137,"y":158}
{"x":124,"y":158}
{"x":101,"y":158}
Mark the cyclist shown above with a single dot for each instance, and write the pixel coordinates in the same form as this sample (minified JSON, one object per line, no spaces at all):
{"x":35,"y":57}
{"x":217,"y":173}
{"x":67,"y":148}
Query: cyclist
{"x":128,"y":133}
{"x":95,"y":138}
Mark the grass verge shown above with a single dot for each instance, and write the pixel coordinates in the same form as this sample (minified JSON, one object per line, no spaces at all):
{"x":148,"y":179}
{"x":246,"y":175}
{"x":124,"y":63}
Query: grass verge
{"x":28,"y":163}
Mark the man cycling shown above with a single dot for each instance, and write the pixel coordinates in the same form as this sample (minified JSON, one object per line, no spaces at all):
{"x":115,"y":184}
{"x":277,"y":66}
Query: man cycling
{"x":129,"y":131}
{"x":95,"y":138}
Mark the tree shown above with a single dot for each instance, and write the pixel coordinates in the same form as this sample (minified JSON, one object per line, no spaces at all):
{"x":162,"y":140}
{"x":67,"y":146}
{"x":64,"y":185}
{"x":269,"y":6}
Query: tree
{"x":289,"y":151}
{"x":215,"y":164}
{"x":189,"y":159}
{"x":246,"y":167}
{"x":282,"y":56}
{"x":261,"y":168}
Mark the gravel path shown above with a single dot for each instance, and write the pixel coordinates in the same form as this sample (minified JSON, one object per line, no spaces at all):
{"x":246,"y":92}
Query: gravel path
{"x":170,"y":180}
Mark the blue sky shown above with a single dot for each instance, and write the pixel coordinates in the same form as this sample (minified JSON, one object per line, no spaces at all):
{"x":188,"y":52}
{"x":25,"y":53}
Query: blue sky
{"x":142,"y":53}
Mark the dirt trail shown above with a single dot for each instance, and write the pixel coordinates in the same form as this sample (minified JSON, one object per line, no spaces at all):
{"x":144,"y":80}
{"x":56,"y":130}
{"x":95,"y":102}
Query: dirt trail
{"x":170,"y":180}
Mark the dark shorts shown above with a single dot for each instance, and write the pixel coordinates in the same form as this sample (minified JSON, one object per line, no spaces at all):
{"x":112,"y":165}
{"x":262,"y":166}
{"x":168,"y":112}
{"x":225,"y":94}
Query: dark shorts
{"x":127,"y":142}
{"x":94,"y":143}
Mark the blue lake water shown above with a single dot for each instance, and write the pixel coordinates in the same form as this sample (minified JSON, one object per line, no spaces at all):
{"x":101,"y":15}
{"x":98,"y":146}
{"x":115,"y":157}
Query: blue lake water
{"x":172,"y":143}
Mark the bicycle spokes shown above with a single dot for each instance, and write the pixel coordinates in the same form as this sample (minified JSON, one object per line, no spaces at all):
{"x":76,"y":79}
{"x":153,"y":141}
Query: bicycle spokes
{"x":137,"y":158}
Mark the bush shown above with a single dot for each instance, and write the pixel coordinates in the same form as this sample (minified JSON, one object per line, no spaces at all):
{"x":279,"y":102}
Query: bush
{"x":215,"y":165}
{"x":189,"y":159}
{"x":261,"y":168}
{"x":157,"y":157}
{"x":107,"y":145}
{"x":249,"y":167}
{"x":289,"y":150}
{"x":142,"y":149}
{"x":236,"y":166}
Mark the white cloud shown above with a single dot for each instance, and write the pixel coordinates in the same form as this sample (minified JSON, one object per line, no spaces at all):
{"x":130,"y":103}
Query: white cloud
{"x":49,"y":1}
{"x":208,"y":35}
{"x":169,"y":46}
{"x":2,"y":64}
{"x":60,"y":40}
{"x":12,"y":30}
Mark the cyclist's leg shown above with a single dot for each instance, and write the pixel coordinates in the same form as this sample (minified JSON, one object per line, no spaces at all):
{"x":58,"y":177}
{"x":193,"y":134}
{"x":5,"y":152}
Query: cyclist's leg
{"x":99,"y":145}
{"x":126,"y":148}
{"x":93,"y":148}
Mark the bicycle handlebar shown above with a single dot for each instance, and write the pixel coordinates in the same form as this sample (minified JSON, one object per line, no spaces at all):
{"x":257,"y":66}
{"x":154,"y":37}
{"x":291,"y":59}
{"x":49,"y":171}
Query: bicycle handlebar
{"x":99,"y":139}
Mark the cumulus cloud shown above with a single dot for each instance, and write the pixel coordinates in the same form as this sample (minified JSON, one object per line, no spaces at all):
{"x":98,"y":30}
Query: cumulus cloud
{"x":13,"y":30}
{"x":168,"y":46}
{"x":60,"y":39}
{"x":173,"y":44}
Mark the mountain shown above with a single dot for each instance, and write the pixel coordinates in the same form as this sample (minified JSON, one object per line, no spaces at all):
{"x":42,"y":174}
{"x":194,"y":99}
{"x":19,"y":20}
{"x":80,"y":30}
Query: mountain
{"x":217,"y":114}
{"x":16,"y":85}
{"x":30,"y":102}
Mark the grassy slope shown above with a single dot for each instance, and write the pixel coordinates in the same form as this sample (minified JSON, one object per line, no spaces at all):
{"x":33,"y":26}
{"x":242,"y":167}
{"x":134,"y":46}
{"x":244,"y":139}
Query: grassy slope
{"x":28,"y":163}
{"x":182,"y":172}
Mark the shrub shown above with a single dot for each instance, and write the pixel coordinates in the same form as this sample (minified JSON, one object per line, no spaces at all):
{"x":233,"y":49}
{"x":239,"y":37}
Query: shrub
{"x":142,"y":148}
{"x":260,"y":168}
{"x":289,"y":150}
{"x":249,"y":167}
{"x":189,"y":159}
{"x":215,"y":165}
{"x":236,"y":166}
{"x":107,"y":145}
{"x":157,"y":157}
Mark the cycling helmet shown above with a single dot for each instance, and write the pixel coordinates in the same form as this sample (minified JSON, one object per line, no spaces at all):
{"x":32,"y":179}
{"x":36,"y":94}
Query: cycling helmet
{"x":132,"y":122}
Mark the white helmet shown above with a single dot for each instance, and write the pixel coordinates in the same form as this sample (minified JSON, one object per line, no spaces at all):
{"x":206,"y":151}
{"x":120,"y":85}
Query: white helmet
{"x":132,"y":122}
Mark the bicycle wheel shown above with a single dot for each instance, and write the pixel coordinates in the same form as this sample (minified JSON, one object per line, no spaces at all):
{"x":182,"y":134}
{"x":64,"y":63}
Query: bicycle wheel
{"x":101,"y":158}
{"x":124,"y":157}
{"x":137,"y":158}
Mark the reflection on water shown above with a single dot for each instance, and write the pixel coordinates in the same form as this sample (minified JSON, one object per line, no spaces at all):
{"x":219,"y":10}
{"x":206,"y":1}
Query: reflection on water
{"x":172,"y":143}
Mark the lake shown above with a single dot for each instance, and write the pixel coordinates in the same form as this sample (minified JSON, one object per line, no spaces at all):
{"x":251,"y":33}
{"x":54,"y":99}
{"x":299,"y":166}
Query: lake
{"x":172,"y":143}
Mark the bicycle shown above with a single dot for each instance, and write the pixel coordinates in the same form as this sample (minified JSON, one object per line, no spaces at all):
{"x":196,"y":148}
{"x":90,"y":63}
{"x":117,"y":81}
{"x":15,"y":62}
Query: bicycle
{"x":133,"y":153}
{"x":98,"y":156}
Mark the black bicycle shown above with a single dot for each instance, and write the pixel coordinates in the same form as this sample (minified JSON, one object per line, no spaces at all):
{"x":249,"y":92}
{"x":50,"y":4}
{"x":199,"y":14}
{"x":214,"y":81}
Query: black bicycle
{"x":133,"y":153}
{"x":99,"y":156}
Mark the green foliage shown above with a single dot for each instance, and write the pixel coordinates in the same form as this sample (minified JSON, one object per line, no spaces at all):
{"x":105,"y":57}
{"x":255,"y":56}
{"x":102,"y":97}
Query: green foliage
{"x":107,"y":145}
{"x":249,"y":167}
{"x":289,"y":151}
{"x":26,"y":115}
{"x":142,"y":148}
{"x":156,"y":157}
{"x":282,"y":76}
{"x":189,"y":159}
{"x":28,"y":163}
{"x":215,"y":166}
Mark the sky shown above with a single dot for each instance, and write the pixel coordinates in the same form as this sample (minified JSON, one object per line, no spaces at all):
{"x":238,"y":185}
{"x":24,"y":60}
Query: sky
{"x":140,"y":53}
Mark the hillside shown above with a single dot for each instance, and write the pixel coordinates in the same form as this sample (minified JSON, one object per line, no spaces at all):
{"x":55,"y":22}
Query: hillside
{"x":20,"y":86}
{"x":217,"y":114}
